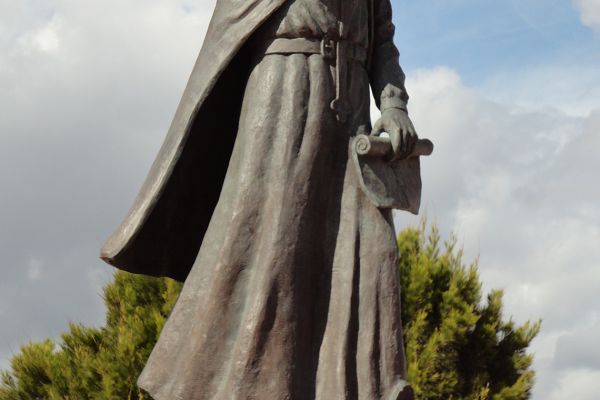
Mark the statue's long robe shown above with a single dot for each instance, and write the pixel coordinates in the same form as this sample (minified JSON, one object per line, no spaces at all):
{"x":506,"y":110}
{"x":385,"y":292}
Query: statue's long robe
{"x":292,"y":289}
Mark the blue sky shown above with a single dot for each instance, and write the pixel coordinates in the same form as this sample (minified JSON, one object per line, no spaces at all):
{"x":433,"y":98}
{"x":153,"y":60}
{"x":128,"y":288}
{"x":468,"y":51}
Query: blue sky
{"x":509,"y":92}
{"x":482,"y":38}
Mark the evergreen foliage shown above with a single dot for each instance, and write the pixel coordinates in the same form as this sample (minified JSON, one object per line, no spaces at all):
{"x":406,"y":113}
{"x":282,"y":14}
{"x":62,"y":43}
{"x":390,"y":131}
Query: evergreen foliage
{"x":457,"y":346}
{"x":97,"y":364}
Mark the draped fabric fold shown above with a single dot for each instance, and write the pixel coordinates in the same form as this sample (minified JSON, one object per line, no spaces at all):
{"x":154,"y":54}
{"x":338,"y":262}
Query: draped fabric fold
{"x":295,"y":292}
{"x":291,"y":286}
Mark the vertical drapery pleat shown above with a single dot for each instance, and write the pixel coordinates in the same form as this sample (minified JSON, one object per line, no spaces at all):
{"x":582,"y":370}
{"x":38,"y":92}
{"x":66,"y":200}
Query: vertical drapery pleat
{"x":294,"y":293}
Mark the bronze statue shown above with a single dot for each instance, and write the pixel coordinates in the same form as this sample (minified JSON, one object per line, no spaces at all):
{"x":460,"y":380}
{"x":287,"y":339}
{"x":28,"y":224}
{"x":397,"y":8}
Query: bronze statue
{"x":264,"y":200}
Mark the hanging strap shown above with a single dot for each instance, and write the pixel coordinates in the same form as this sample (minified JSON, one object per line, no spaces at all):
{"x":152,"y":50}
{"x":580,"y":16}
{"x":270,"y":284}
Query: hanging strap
{"x":341,"y":52}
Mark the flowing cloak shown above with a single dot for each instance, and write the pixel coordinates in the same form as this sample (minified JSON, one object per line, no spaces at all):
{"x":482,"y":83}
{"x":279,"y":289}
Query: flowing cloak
{"x":163,"y":231}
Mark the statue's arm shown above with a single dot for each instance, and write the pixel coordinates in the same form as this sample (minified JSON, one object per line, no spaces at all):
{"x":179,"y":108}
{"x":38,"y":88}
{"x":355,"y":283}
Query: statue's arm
{"x":386,"y":75}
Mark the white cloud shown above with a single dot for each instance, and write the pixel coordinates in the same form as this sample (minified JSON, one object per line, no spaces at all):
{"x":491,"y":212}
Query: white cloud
{"x":568,"y":85}
{"x":88,"y":91}
{"x":47,"y":39}
{"x":517,"y":186}
{"x":35,"y":269}
{"x":590,"y":13}
{"x":578,"y":384}
{"x":579,"y":349}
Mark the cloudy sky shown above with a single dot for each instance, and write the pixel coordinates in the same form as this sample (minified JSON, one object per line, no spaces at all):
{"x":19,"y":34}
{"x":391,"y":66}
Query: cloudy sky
{"x":509,"y":91}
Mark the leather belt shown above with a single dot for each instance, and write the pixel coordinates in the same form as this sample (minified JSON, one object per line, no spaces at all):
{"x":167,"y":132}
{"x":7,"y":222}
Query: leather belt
{"x":339,"y":51}
{"x":326,"y":47}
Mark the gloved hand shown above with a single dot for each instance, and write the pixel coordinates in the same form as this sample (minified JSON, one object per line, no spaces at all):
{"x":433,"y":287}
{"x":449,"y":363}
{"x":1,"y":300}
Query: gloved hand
{"x":397,"y":124}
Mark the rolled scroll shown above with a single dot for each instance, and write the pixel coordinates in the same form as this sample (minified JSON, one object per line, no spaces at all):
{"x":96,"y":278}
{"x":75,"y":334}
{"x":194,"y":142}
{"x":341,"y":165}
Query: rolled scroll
{"x":377,"y":146}
{"x":389,"y":182}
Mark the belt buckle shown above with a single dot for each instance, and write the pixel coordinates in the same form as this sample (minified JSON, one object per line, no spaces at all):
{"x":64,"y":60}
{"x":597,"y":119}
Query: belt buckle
{"x":328,"y":48}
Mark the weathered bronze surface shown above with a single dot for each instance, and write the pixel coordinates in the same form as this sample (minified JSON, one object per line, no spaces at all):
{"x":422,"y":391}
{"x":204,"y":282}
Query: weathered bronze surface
{"x":261,"y":200}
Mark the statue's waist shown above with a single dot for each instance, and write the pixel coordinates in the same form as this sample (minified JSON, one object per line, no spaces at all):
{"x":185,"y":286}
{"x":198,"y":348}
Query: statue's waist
{"x":332,"y":49}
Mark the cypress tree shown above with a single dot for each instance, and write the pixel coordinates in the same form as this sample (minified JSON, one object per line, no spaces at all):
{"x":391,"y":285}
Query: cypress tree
{"x":97,"y":364}
{"x":457,"y":345}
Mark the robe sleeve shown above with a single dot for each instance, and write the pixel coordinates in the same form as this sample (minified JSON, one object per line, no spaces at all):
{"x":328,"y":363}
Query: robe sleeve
{"x":386,"y":75}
